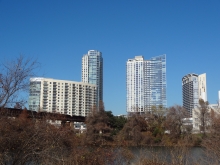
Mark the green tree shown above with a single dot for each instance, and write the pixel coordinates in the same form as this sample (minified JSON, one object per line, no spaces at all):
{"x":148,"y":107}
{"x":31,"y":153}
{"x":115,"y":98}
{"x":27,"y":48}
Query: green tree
{"x":116,"y":122}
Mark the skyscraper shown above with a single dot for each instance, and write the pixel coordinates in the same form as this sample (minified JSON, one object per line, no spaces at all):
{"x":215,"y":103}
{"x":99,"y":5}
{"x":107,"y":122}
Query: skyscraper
{"x":92,"y":71}
{"x":193,"y":89}
{"x":202,"y":87}
{"x":146,"y":83}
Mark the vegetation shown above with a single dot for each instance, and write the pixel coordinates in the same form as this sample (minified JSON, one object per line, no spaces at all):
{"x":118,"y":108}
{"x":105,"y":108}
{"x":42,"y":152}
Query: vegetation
{"x":25,"y":140}
{"x":203,"y":114}
{"x":29,"y":141}
{"x":14,"y":79}
{"x":98,"y":128}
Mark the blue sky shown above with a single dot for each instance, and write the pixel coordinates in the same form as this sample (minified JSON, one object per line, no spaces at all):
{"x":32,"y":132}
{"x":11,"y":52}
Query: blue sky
{"x":58,"y":33}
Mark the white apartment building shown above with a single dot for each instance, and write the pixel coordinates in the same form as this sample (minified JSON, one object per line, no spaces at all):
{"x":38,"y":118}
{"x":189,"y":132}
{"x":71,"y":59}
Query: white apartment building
{"x":61,"y":96}
{"x":202,"y":87}
{"x":92,"y":71}
{"x":135,"y":77}
{"x":146,"y":83}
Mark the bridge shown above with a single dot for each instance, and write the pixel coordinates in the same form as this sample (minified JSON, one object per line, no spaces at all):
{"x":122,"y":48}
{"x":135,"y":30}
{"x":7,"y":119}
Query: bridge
{"x":13,"y":112}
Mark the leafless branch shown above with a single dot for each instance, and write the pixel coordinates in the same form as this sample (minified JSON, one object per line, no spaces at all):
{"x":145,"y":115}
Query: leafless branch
{"x":14,"y":79}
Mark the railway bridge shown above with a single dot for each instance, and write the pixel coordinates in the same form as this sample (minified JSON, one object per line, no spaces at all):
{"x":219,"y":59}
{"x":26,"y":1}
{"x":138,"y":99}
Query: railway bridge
{"x":13,"y":112}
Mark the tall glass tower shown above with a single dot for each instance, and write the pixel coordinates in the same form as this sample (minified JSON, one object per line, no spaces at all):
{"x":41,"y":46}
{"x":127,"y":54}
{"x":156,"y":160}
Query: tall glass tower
{"x":146,"y":83}
{"x":92,"y":71}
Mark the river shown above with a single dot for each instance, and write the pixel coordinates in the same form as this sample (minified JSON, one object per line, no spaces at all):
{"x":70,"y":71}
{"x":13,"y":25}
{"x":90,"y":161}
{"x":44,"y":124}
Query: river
{"x":173,"y":155}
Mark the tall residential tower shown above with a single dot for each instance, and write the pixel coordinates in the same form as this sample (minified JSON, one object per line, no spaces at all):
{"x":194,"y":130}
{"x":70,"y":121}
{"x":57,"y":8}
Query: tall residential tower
{"x":193,"y":89}
{"x":146,"y":83}
{"x":92,"y":71}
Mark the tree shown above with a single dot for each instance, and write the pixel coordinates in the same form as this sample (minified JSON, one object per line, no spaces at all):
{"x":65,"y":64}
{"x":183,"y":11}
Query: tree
{"x":27,"y":141}
{"x":98,"y":128}
{"x":175,"y":120}
{"x":14,"y":79}
{"x":203,"y":114}
{"x":211,"y":143}
{"x":133,"y":128}
{"x":155,"y":119}
{"x":116,"y":122}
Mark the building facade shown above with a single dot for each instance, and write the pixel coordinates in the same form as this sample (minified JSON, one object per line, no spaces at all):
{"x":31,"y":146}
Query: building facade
{"x":61,"y":96}
{"x":146,"y":83}
{"x":92,"y":71}
{"x":193,"y":89}
{"x":202,"y":87}
{"x":197,"y":117}
{"x":219,"y":98}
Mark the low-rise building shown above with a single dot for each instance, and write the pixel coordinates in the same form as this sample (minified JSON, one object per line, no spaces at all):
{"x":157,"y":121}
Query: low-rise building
{"x":196,"y":116}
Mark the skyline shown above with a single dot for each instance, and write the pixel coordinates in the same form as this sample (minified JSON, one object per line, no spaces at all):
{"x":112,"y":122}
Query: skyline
{"x":59,"y":33}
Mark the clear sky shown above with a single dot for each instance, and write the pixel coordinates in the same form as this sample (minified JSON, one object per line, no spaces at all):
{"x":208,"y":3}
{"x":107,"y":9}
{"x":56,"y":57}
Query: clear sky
{"x":58,"y":33}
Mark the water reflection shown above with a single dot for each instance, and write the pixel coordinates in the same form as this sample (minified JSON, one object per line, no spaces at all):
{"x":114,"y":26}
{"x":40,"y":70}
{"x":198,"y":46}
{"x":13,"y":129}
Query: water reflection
{"x":171,"y":155}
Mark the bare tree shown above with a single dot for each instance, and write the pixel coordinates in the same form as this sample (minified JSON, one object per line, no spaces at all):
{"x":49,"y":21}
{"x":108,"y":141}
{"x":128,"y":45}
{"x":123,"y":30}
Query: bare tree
{"x":26,"y":141}
{"x":98,"y":126}
{"x":132,"y":130}
{"x":175,"y":121}
{"x":211,"y":142}
{"x":203,"y":114}
{"x":155,"y":120}
{"x":14,"y":79}
{"x":157,"y":114}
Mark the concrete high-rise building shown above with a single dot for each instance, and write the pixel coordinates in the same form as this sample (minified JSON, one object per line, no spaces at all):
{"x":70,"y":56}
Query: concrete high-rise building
{"x":146,"y":83}
{"x":193,"y":89}
{"x":62,"y":96}
{"x":92,"y":71}
{"x":202,"y":87}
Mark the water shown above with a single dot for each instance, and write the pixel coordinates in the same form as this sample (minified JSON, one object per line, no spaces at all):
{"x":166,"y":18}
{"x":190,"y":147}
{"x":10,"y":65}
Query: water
{"x":172,"y":155}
